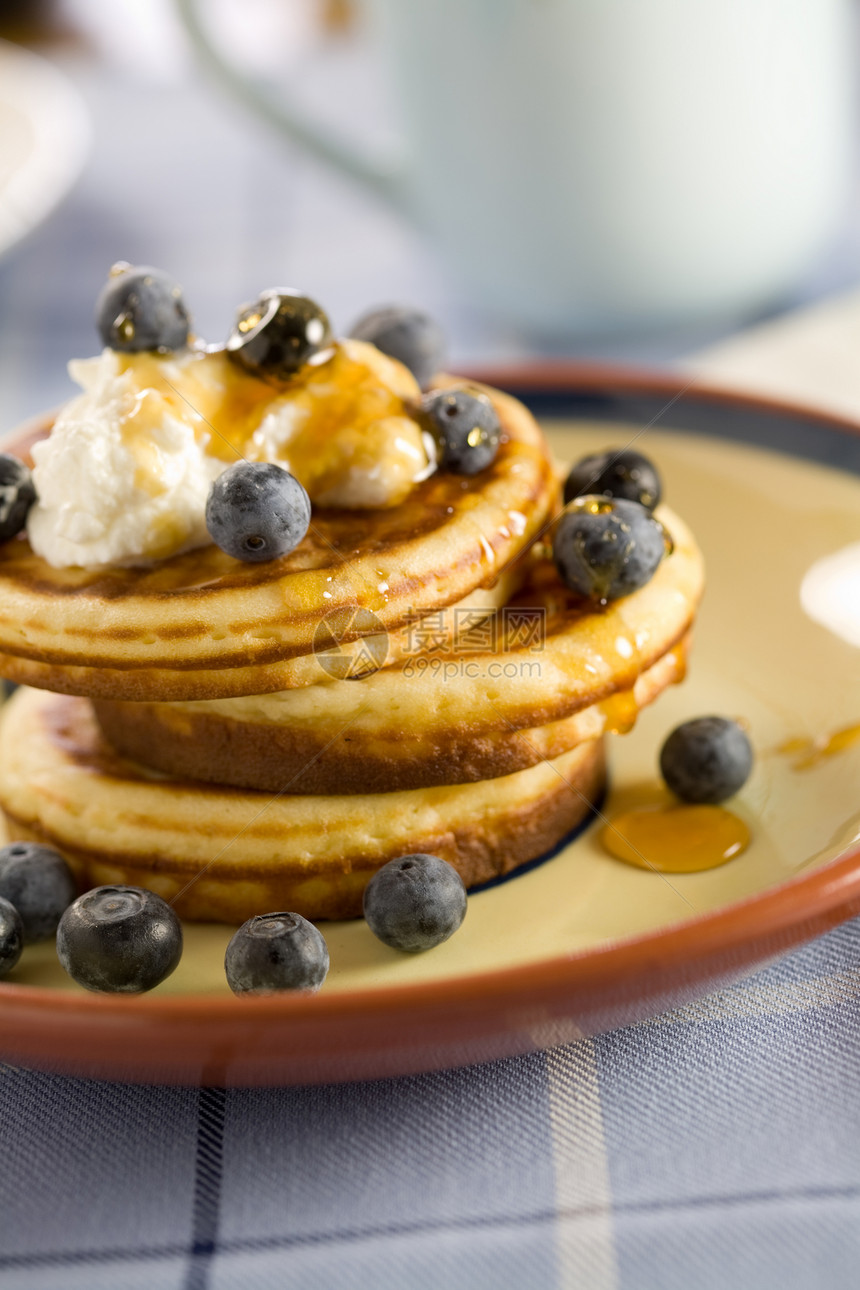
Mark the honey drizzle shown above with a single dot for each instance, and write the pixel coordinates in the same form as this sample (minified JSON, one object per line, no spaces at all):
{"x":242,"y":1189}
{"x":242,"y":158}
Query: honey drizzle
{"x":680,"y":656}
{"x":223,"y":404}
{"x":676,"y":839}
{"x":345,"y":419}
{"x":620,"y":711}
{"x":811,"y":752}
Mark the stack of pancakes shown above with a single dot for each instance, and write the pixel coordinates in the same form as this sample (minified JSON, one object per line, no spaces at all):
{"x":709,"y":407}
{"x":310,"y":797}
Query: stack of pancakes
{"x":244,"y":738}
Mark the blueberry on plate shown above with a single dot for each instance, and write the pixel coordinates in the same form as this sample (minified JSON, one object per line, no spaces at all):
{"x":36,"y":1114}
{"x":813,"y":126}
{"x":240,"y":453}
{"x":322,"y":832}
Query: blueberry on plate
{"x":17,"y":495}
{"x":119,"y":940}
{"x":706,"y":760}
{"x":274,"y":336}
{"x":39,"y":884}
{"x":257,"y":511}
{"x":409,"y":335}
{"x":11,"y":936}
{"x":607,"y":547}
{"x":618,"y":472}
{"x":465,"y":428}
{"x":415,"y":902}
{"x":276,"y":952}
{"x":141,"y":308}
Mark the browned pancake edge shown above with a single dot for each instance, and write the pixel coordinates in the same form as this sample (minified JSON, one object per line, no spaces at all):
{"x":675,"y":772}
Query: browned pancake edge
{"x":203,"y":745}
{"x":224,"y":855}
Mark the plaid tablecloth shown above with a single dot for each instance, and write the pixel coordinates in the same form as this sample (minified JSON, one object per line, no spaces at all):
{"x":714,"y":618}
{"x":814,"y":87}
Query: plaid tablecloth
{"x":715,"y":1146}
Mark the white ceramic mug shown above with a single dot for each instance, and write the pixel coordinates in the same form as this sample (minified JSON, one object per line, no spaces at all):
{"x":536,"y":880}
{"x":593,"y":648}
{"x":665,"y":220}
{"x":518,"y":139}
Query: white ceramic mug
{"x":611,"y":163}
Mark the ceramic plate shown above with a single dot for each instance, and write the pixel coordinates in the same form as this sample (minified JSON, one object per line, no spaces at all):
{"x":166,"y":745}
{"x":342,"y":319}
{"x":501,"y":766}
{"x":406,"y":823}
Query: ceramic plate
{"x":44,"y":138}
{"x":581,"y":942}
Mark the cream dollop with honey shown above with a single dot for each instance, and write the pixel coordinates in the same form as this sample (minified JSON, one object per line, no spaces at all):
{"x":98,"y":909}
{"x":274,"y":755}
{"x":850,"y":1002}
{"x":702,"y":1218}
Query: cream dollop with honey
{"x":124,"y":475}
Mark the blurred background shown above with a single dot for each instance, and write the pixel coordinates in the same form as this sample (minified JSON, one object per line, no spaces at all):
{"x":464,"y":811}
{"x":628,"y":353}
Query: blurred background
{"x":593,"y":179}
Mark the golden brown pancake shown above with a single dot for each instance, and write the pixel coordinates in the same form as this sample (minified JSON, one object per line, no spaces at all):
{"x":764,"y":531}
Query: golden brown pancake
{"x":189,"y":743}
{"x":442,"y":717}
{"x":203,"y":625}
{"x":222,"y":854}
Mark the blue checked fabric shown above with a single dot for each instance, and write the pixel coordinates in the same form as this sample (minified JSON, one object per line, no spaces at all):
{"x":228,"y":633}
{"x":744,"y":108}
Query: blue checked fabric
{"x":717,"y":1146}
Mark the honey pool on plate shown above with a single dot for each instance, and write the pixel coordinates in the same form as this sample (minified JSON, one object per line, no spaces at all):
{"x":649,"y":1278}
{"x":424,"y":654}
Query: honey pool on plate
{"x":762,"y":520}
{"x":675,"y":837}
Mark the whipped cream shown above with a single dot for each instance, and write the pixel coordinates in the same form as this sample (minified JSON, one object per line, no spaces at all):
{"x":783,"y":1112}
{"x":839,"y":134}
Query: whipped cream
{"x":124,"y":476}
{"x":108,"y":495}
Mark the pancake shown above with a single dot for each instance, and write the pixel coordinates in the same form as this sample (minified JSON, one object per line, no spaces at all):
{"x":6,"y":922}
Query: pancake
{"x":203,"y":625}
{"x":223,"y":855}
{"x":194,"y":744}
{"x":447,"y":717}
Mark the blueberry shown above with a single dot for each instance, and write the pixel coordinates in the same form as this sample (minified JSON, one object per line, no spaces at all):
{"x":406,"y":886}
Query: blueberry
{"x":606,"y":547}
{"x":415,"y":902}
{"x":618,"y":472}
{"x":409,"y":335}
{"x":17,"y":495}
{"x":276,"y":335}
{"x":257,"y":511}
{"x":706,"y":760}
{"x":119,"y":939}
{"x":276,"y":952}
{"x":11,"y":936}
{"x":465,"y":427}
{"x":141,"y":308}
{"x":39,"y":884}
